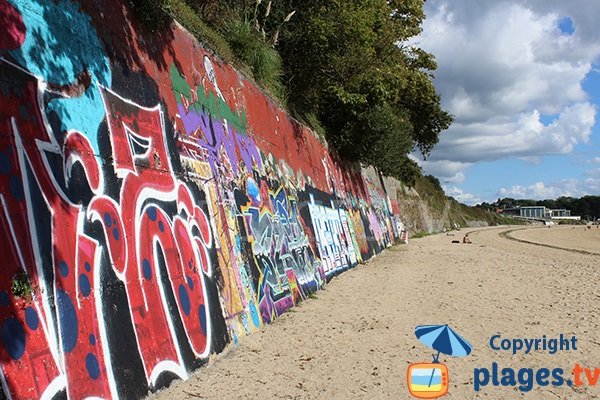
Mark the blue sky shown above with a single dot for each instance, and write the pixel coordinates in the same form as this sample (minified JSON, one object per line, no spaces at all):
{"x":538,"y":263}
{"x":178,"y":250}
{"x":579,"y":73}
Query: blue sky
{"x":522,"y":78}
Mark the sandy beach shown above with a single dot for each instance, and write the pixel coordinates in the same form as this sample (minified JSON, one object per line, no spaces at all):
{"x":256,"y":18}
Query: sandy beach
{"x":356,"y":338}
{"x":582,"y":238}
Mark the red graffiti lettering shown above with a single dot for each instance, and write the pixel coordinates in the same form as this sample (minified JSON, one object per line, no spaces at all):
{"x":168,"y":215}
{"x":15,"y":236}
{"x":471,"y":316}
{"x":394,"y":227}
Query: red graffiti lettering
{"x":70,"y":263}
{"x":151,"y":236}
{"x":54,"y":338}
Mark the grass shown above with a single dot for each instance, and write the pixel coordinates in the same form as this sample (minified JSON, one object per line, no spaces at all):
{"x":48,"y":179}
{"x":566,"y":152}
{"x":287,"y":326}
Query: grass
{"x":397,"y":247}
{"x":433,"y":195}
{"x":189,"y":19}
{"x":312,"y":120}
{"x":239,"y":43}
{"x":21,"y":286}
{"x":151,"y":13}
{"x":445,"y":211}
{"x":264,"y":61}
{"x":420,"y":234}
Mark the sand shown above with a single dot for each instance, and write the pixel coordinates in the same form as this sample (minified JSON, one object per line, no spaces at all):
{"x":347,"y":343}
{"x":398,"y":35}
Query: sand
{"x":583,"y":238}
{"x":356,"y":339}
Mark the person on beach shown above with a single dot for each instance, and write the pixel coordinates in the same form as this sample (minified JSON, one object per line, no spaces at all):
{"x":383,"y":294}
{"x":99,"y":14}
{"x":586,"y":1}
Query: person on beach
{"x":466,"y":239}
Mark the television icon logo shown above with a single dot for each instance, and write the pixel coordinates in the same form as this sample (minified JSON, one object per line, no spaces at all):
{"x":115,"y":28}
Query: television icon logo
{"x":430,"y":380}
{"x":427,"y":380}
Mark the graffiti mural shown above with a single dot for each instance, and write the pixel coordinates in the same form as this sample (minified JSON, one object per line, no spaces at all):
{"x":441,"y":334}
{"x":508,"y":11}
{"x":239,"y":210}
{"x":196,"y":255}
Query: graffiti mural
{"x":286,"y":267}
{"x":155,"y":219}
{"x":154,"y":205}
{"x":333,"y":238}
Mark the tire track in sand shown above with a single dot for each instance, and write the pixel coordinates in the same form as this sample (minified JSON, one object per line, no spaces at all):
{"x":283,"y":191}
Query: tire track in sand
{"x":507,"y":235}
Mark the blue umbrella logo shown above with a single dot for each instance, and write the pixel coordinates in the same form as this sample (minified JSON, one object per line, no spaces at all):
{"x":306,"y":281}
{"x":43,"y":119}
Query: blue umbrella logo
{"x":442,"y":339}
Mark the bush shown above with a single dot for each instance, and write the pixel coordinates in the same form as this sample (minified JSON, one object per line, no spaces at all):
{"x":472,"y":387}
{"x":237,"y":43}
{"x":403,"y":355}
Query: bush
{"x":21,"y":286}
{"x":151,"y":13}
{"x":250,"y":48}
{"x":187,"y":16}
{"x":313,"y":122}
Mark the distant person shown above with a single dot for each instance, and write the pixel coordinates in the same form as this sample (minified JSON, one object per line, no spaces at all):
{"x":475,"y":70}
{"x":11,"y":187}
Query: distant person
{"x":466,"y":239}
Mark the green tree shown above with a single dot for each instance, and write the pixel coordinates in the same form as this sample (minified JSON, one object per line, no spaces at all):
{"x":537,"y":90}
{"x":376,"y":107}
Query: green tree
{"x":344,"y":62}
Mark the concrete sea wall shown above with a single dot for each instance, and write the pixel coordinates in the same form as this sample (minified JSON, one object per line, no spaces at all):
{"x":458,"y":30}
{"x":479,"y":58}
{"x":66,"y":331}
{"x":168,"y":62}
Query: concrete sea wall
{"x":155,"y":205}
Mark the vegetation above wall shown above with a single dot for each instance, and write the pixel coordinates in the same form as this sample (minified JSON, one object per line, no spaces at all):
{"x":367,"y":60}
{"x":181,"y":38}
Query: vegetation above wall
{"x":342,"y":67}
{"x":426,"y":209}
{"x":587,"y":207}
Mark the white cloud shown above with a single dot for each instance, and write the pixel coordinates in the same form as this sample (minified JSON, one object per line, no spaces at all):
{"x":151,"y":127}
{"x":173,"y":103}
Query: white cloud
{"x":461,"y":196}
{"x":593,"y":172}
{"x":584,"y":14}
{"x":524,"y":136}
{"x":445,"y":171}
{"x":456,"y":178}
{"x":593,"y":185}
{"x":514,"y":81}
{"x":541,"y":190}
{"x":503,"y":68}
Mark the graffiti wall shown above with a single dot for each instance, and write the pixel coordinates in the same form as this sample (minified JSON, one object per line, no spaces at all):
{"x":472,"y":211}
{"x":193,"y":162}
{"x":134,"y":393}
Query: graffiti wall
{"x":155,"y":205}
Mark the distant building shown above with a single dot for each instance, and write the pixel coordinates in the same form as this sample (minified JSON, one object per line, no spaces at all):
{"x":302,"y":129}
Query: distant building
{"x":559,"y":213}
{"x":539,"y":212}
{"x":514,"y":211}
